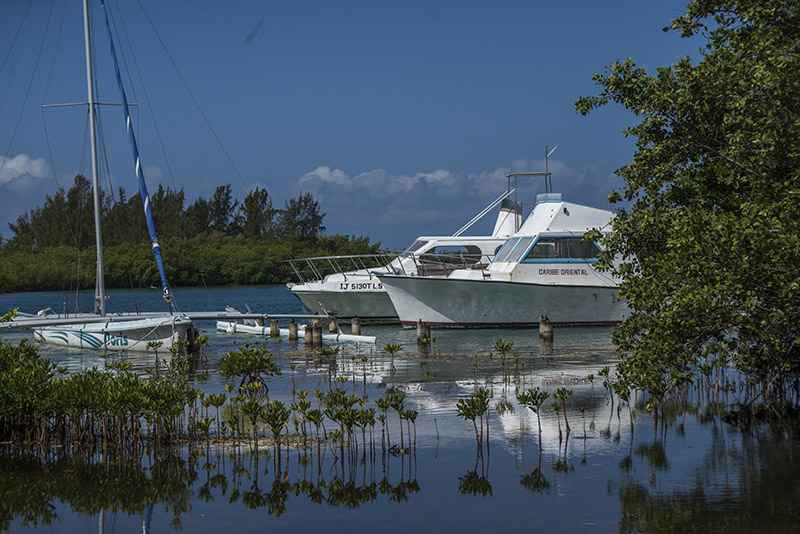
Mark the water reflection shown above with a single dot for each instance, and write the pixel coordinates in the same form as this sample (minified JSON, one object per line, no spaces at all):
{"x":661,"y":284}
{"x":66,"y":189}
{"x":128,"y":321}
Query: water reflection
{"x":33,"y":484}
{"x":617,"y":469}
{"x":746,"y":482}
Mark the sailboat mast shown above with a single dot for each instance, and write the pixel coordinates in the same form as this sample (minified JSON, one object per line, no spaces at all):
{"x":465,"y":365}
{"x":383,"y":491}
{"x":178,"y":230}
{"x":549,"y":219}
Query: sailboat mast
{"x":100,"y":296}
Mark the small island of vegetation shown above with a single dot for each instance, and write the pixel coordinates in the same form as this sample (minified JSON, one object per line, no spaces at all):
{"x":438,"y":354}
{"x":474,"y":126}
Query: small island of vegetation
{"x":216,"y":241}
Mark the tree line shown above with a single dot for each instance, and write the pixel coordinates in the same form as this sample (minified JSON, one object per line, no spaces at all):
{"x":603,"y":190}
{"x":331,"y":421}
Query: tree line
{"x":67,"y":217}
{"x":214,"y":241}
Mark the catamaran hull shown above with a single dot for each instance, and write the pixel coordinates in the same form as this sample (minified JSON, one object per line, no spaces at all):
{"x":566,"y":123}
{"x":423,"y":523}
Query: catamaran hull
{"x":141,"y":335}
{"x":454,"y":303}
{"x":366,"y":300}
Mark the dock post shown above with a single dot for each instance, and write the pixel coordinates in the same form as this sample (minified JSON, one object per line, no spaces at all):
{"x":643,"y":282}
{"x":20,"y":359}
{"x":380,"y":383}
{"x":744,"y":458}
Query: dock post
{"x":274,"y":330}
{"x":333,"y":327}
{"x":423,"y":330}
{"x":545,"y":328}
{"x":308,"y":335}
{"x":316,"y":338}
{"x":292,"y":331}
{"x":355,"y":326}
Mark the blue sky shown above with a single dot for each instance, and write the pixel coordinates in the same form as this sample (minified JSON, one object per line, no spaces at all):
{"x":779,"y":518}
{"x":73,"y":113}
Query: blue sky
{"x":402,"y":118}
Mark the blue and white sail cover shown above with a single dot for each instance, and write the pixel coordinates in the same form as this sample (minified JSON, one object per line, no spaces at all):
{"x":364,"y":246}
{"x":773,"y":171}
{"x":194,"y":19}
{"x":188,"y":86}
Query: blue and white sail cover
{"x":139,"y":174}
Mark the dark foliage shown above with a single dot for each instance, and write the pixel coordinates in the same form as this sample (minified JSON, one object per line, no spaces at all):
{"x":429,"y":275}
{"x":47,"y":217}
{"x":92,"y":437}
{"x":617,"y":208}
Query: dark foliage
{"x":214,"y":242}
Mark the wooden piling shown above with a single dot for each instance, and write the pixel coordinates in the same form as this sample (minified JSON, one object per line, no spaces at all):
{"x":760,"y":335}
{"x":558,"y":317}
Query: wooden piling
{"x":423,"y":331}
{"x":292,"y":330}
{"x":309,"y":335}
{"x":274,"y":330}
{"x":316,"y":337}
{"x":355,"y":326}
{"x":545,"y":328}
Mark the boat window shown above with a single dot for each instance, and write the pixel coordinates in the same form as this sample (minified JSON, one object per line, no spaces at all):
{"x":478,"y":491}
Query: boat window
{"x":455,"y":253}
{"x":416,"y":245}
{"x":520,"y":249}
{"x":562,"y":248}
{"x":507,"y":249}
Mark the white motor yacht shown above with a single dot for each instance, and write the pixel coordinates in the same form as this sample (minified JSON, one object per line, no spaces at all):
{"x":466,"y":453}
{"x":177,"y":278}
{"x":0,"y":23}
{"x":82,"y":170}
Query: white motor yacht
{"x":327,"y":287}
{"x":544,"y":269}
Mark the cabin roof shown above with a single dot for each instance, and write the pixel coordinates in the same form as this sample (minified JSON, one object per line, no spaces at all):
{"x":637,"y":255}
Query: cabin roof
{"x":557,"y":216}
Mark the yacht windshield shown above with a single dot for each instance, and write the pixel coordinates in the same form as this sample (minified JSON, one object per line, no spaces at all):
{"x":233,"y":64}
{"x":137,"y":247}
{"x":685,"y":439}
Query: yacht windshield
{"x":504,"y":252}
{"x":415,"y":246}
{"x":520,"y":249}
{"x":514,"y":249}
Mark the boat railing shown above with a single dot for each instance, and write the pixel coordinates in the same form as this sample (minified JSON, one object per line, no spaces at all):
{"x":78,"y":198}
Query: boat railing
{"x":317,"y":268}
{"x":404,"y":263}
{"x":432,"y":264}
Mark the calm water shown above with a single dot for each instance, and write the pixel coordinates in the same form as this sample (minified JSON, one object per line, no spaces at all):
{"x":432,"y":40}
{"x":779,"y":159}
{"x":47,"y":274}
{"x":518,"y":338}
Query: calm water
{"x":698,"y":474}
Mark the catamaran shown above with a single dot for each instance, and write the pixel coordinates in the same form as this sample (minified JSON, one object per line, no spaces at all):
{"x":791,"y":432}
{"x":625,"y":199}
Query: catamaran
{"x":117,"y":332}
{"x":544,"y":269}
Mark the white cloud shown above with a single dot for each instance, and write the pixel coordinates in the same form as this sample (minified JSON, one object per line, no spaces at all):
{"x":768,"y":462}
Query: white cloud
{"x":18,"y":171}
{"x":379,"y":203}
{"x":325,"y":174}
{"x":152,"y":175}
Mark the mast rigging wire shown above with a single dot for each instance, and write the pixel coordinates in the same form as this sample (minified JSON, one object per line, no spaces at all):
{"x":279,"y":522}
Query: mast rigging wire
{"x":196,"y":103}
{"x":144,"y":89}
{"x":28,"y":92}
{"x":14,"y":40}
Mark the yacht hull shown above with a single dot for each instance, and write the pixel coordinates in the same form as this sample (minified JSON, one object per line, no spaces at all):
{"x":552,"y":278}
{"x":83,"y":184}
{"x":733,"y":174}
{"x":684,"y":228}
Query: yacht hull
{"x":363,"y":298}
{"x":140,"y":335}
{"x":460,"y":303}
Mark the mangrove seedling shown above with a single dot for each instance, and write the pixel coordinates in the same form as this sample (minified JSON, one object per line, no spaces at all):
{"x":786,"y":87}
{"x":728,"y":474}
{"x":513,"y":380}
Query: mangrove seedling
{"x":503,"y":347}
{"x":276,"y":414}
{"x":252,"y":410}
{"x":474,"y":408}
{"x":254,"y":365}
{"x":411,"y":417}
{"x":557,"y":410}
{"x":383,"y":406}
{"x":216,"y":400}
{"x":204,"y":426}
{"x":562,"y":394}
{"x":391,"y":348}
{"x":533,"y":399}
